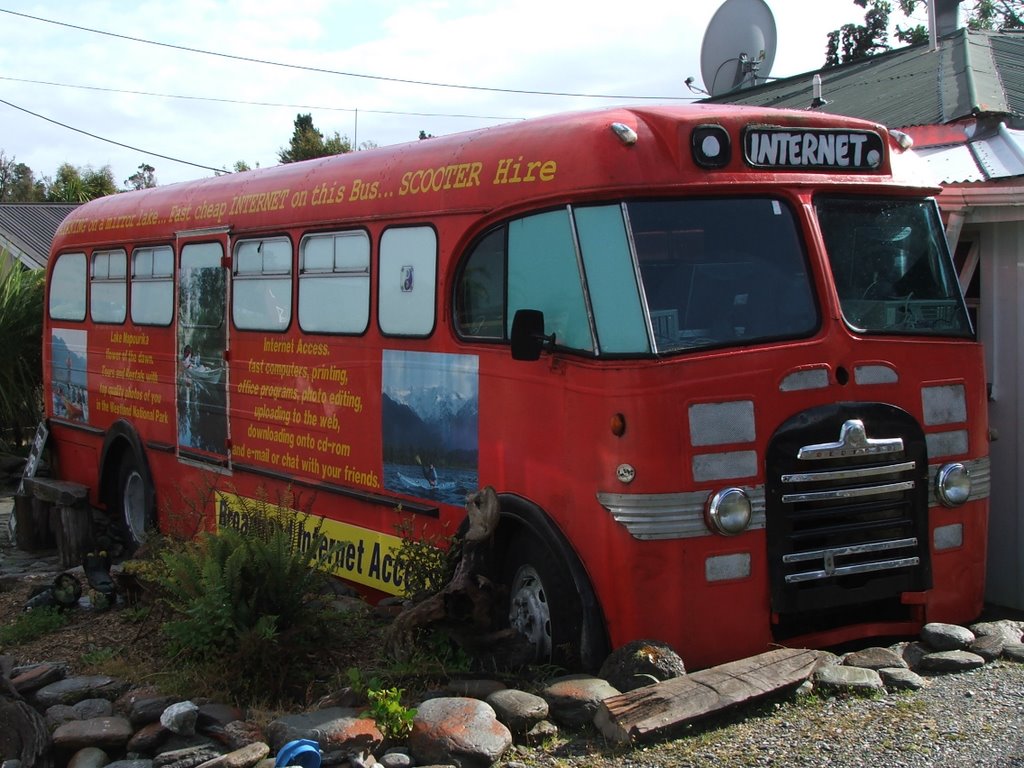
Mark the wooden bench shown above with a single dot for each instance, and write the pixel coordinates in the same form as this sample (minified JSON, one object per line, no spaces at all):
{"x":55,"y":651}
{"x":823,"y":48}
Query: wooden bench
{"x":54,"y":512}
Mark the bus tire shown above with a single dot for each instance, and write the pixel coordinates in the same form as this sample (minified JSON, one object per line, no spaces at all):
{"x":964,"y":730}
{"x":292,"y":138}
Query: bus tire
{"x":134,"y":504}
{"x":544,"y":604}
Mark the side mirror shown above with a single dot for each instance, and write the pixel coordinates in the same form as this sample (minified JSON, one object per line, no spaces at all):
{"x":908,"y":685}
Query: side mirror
{"x":528,"y":337}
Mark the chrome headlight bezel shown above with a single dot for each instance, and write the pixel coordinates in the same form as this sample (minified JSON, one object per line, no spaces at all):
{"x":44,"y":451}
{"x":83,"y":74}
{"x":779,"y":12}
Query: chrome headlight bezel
{"x":953,"y":484}
{"x":728,"y":512}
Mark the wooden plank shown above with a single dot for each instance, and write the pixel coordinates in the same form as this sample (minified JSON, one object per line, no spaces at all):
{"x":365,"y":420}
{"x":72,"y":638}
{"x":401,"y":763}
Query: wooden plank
{"x":656,"y":711}
{"x":59,"y":492}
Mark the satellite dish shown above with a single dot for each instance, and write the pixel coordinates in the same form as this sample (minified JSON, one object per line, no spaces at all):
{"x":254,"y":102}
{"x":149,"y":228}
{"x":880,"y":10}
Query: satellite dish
{"x":739,"y":46}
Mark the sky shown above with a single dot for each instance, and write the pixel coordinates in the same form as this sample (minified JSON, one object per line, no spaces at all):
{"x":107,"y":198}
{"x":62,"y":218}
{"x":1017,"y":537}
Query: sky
{"x":142,"y":73}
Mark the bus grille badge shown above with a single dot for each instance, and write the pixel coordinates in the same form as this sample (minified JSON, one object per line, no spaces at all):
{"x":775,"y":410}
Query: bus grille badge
{"x":625,"y":473}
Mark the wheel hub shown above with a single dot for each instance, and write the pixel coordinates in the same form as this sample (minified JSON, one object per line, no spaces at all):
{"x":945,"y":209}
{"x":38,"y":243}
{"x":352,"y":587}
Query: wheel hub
{"x":529,"y":610}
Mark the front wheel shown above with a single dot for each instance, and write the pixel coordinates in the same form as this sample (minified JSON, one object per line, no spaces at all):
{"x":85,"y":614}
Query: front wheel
{"x":544,"y":603}
{"x":134,"y":504}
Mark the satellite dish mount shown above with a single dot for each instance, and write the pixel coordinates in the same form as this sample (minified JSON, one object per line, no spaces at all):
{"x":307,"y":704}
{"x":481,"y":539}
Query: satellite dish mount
{"x":739,"y":46}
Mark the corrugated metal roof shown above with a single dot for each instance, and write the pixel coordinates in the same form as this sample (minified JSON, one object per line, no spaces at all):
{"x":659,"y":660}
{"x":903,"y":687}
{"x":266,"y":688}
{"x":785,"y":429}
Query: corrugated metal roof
{"x":969,"y":73}
{"x":997,"y":155}
{"x":27,"y":229}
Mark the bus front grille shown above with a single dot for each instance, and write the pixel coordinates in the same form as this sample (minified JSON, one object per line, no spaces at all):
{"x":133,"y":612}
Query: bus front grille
{"x":846,"y":516}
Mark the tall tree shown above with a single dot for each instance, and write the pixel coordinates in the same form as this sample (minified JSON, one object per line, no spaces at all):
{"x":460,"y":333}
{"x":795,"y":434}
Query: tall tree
{"x":77,"y":185}
{"x":853,"y":42}
{"x":144,"y":178}
{"x":17,"y":182}
{"x":307,"y":142}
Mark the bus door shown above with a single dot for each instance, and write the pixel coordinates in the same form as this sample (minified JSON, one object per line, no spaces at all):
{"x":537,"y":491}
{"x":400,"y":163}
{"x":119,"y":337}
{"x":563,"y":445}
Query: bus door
{"x":202,"y":344}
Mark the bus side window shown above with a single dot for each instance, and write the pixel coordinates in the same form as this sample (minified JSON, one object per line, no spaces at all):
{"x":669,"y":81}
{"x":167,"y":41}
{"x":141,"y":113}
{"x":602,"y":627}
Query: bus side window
{"x":262,"y":292}
{"x":153,"y":286}
{"x":334,"y":282}
{"x":407,"y":281}
{"x":67,"y":287}
{"x":109,"y":298}
{"x":480,"y":289}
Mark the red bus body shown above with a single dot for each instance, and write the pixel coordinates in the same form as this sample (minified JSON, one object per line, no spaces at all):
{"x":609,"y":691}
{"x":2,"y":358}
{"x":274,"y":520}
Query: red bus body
{"x":609,"y":460}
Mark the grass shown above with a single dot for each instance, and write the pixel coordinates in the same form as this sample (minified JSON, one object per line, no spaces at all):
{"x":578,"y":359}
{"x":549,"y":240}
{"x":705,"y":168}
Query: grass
{"x":31,"y":626}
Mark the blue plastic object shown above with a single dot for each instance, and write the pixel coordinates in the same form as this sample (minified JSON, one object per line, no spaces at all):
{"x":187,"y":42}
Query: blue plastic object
{"x":301,"y":752}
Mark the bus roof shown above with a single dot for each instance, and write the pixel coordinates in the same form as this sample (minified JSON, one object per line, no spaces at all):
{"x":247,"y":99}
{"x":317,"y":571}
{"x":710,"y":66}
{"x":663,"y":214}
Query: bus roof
{"x":567,"y":156}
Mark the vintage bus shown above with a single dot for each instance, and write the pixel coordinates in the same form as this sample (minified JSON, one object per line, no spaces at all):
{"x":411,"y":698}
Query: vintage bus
{"x":715,"y":362}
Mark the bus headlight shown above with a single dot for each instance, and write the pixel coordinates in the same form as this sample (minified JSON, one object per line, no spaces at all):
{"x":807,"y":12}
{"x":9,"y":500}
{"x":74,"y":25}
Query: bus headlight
{"x":953,"y":484}
{"x":728,"y":512}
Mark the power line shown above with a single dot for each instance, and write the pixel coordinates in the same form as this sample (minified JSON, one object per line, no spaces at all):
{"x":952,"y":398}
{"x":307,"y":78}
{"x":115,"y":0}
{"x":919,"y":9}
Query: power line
{"x":319,"y":70}
{"x":111,"y":141}
{"x":253,"y":103}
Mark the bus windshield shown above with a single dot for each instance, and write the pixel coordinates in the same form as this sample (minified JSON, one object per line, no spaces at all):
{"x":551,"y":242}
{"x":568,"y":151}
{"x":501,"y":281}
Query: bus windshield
{"x":719,"y":272}
{"x":891,"y":267}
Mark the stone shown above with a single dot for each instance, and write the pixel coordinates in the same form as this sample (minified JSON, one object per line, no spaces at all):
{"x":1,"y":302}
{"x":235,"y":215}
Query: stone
{"x":946,"y":637}
{"x":334,"y":729}
{"x":214,"y":714}
{"x":148,"y":739}
{"x":901,"y":679}
{"x":89,"y":757}
{"x":59,"y":714}
{"x":246,"y":757}
{"x":834,"y":678}
{"x":33,"y":678}
{"x":396,"y":759}
{"x":72,"y":690}
{"x":103,"y":732}
{"x":518,"y":710}
{"x":474,"y":689}
{"x":875,"y":658}
{"x":574,"y":699}
{"x":130,"y":764}
{"x":237,"y":734}
{"x":462,"y":731}
{"x":144,"y":706}
{"x":639,"y":663}
{"x":1014,"y":652}
{"x":189,"y":757}
{"x":989,"y":647}
{"x":181,"y":718}
{"x":1008,"y":630}
{"x":911,"y":653}
{"x":545,"y":729}
{"x":90,"y":708}
{"x":951,"y":661}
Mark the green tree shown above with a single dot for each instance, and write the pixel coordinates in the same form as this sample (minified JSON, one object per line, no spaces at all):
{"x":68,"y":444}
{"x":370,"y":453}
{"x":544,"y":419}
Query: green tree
{"x":853,"y":42}
{"x":144,"y":178}
{"x":17,"y":182}
{"x":78,"y":185}
{"x":21,"y":338}
{"x":307,"y":142}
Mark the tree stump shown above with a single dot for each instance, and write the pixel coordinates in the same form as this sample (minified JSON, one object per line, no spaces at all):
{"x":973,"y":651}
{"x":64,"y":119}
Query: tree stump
{"x":465,"y":606}
{"x":32,"y":524}
{"x":67,"y":517}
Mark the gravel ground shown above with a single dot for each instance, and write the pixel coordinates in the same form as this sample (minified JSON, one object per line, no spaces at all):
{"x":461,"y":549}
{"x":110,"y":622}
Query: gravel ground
{"x":964,"y":720}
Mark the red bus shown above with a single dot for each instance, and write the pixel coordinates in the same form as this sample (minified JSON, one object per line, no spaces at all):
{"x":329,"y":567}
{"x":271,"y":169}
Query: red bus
{"x":714,"y":360}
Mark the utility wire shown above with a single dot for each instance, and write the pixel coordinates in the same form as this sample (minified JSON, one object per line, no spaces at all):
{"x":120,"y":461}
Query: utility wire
{"x":253,"y":103}
{"x":319,"y":70}
{"x":111,"y":141}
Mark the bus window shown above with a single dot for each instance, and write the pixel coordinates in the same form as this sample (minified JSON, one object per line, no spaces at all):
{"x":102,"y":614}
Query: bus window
{"x":891,"y":266}
{"x":334,"y":282}
{"x":67,"y":287}
{"x":544,"y":274}
{"x":153,"y":285}
{"x":261,"y":297}
{"x":480,"y":289}
{"x":722,"y":272}
{"x":407,"y":281}
{"x":109,"y":300}
{"x":611,"y":280}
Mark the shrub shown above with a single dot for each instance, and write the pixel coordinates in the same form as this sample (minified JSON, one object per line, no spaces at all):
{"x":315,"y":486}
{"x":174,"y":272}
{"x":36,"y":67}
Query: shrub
{"x":31,"y":626}
{"x":21,"y":334}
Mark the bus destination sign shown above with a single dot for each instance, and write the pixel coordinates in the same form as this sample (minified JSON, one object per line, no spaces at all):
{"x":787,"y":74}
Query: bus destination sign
{"x":787,"y":148}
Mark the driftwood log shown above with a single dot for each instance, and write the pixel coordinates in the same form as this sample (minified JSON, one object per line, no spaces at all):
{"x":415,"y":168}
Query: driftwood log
{"x":24,"y":735}
{"x":467,"y":607}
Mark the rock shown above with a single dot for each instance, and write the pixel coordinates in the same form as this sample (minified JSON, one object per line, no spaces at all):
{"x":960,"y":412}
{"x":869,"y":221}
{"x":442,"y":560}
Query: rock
{"x":214,"y":715}
{"x":989,"y":647}
{"x":144,"y":706}
{"x":911,"y":653}
{"x":574,"y":699}
{"x":1008,"y":630}
{"x":1014,"y":652}
{"x":946,"y":637}
{"x":59,"y":714}
{"x":148,"y":739}
{"x":901,"y":679}
{"x":951,"y":661}
{"x":335,"y":729}
{"x":28,"y":680}
{"x":518,"y":710}
{"x":72,"y":690}
{"x":181,"y":718}
{"x":89,"y":757}
{"x":634,"y":664}
{"x":835,"y":678}
{"x":108,"y":733}
{"x":190,"y":757}
{"x":545,"y":729}
{"x":246,"y":757}
{"x":396,"y":758}
{"x":130,"y":764}
{"x":875,"y":658}
{"x":456,"y":730}
{"x":90,"y":708}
